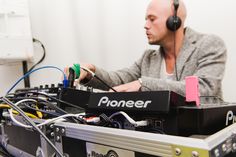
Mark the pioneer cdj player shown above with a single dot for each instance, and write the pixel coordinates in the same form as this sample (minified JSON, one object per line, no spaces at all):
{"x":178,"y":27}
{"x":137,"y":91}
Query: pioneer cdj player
{"x":164,"y":111}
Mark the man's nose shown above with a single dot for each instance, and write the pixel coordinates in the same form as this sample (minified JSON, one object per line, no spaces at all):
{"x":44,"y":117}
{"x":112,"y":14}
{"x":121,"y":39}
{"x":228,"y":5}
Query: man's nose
{"x":146,"y":26}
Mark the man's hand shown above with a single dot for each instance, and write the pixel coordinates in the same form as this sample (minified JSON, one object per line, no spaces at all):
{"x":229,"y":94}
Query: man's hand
{"x":83,"y":74}
{"x":128,"y":87}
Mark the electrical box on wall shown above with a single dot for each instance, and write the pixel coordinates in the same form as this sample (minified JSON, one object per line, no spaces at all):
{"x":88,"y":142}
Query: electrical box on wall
{"x":15,"y":31}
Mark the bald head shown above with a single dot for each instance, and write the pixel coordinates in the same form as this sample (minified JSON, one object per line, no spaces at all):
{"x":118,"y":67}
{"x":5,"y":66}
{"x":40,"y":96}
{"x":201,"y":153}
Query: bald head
{"x":165,"y":9}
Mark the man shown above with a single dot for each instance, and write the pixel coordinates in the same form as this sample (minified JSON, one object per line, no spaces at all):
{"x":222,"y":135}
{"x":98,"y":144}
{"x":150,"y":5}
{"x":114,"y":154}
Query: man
{"x":195,"y":54}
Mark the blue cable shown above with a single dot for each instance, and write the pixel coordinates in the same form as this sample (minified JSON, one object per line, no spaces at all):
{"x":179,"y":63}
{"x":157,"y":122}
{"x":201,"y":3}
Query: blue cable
{"x":65,"y":81}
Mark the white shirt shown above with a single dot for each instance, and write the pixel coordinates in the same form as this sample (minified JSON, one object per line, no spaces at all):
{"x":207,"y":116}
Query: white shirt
{"x":164,"y":74}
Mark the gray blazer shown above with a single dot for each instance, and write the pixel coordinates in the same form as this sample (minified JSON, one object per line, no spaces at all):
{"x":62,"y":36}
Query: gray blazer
{"x":201,"y":55}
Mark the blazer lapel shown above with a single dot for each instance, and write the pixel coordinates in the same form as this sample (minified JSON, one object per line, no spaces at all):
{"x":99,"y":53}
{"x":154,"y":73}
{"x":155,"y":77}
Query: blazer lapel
{"x":186,"y":51}
{"x":157,"y":60}
{"x":159,"y":57}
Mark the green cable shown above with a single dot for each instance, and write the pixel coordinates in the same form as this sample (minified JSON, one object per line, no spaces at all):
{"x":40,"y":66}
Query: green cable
{"x":76,"y":68}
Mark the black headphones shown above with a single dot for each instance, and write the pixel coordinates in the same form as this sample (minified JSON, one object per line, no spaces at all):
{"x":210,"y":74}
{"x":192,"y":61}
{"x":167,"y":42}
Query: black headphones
{"x":174,"y":22}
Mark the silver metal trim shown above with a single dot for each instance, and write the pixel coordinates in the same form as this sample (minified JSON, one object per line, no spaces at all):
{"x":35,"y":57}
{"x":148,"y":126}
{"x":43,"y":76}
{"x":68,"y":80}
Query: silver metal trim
{"x":149,"y":143}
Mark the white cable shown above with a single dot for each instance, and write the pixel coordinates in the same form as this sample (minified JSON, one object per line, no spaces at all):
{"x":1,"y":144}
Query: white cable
{"x":133,"y":122}
{"x":15,"y":107}
{"x":46,"y":121}
{"x":11,"y":112}
{"x":59,"y":118}
{"x":88,"y":70}
{"x":17,"y":122}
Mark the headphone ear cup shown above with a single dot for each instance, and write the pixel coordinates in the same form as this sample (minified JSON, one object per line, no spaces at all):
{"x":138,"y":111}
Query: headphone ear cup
{"x":173,"y":23}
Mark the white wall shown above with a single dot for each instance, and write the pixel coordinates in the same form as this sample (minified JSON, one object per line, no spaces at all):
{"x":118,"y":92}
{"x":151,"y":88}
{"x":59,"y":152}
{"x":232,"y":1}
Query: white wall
{"x":110,"y":33}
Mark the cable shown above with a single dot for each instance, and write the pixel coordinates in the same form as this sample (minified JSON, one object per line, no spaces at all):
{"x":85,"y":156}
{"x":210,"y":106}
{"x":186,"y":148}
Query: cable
{"x":4,"y":152}
{"x":135,"y":123}
{"x":176,"y":73}
{"x":11,"y":111}
{"x":32,"y":123}
{"x":55,"y":107}
{"x":39,"y":114}
{"x":61,"y":111}
{"x":45,"y":102}
{"x":46,"y":122}
{"x":44,"y":54}
{"x":43,"y":111}
{"x":28,"y":73}
{"x":25,"y":70}
{"x":58,"y":100}
{"x":60,"y":117}
{"x":174,"y":36}
{"x":28,"y":114}
{"x":5,"y":106}
{"x":176,"y":6}
{"x":94,"y":75}
{"x":25,"y":65}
